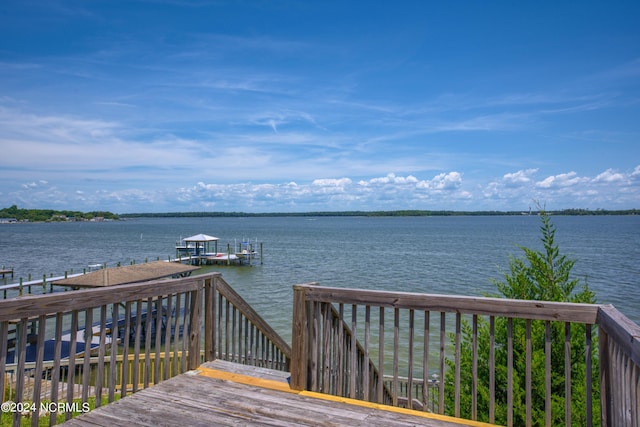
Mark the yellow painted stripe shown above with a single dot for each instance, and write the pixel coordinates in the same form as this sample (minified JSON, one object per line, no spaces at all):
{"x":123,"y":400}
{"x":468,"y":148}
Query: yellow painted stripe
{"x":282,"y":386}
{"x":246,"y":379}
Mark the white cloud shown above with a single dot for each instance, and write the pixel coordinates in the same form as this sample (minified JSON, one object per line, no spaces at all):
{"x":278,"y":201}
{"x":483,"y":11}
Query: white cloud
{"x":609,"y":176}
{"x":520,"y":177}
{"x":390,"y":178}
{"x":446,"y":181}
{"x":445,"y":190}
{"x":330,"y":182}
{"x":562,"y":180}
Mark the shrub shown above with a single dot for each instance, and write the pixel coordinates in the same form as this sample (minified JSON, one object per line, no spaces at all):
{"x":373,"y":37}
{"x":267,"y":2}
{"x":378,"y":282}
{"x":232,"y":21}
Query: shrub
{"x":542,"y":275}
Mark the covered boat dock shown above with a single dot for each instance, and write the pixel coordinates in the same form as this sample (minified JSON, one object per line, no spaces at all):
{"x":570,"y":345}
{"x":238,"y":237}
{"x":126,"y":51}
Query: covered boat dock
{"x":202,"y":249}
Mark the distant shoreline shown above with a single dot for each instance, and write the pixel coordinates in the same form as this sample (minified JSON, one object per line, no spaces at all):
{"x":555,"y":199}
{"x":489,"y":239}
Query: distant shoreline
{"x":398,"y":213}
{"x":14,"y":215}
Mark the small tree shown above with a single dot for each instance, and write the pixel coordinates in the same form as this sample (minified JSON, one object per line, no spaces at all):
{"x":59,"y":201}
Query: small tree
{"x":545,"y":276}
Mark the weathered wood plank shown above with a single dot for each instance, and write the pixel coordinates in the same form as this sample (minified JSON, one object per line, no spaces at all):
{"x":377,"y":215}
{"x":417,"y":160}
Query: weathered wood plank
{"x":146,"y":374}
{"x":203,"y":400}
{"x":168,"y":338}
{"x":4,"y":331}
{"x":35,"y":305}
{"x":535,"y":310}
{"x":474,"y":368}
{"x":72,"y":360}
{"x":37,"y":385}
{"x":86,"y":367}
{"x":492,"y":369}
{"x":457,"y":364}
{"x":567,"y":373}
{"x":425,"y":359}
{"x":194,"y":328}
{"x":248,"y":311}
{"x":299,"y":340}
{"x":622,"y":330}
{"x":547,"y":373}
{"x":55,"y":373}
{"x":509,"y":371}
{"x":353,"y":357}
{"x":101,"y":353}
{"x":528,"y":379}
{"x":115,"y":338}
{"x":125,"y":355}
{"x":396,"y":349}
{"x":249,"y":370}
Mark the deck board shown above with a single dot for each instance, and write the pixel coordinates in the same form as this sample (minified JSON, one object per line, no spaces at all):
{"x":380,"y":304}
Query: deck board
{"x":204,"y":398}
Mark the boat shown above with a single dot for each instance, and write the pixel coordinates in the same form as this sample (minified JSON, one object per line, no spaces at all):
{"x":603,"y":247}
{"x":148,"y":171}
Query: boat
{"x":80,"y":336}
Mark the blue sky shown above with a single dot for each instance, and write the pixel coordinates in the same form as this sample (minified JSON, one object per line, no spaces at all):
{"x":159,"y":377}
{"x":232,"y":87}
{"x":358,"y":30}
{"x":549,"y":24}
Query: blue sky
{"x":293,"y":106}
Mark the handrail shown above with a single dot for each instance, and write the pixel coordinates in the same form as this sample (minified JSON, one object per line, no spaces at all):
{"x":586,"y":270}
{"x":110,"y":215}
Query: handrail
{"x":348,"y":354}
{"x":162,"y":327}
{"x":525,"y":309}
{"x":148,"y":320}
{"x":420,"y":320}
{"x":253,"y":317}
{"x":619,"y":368}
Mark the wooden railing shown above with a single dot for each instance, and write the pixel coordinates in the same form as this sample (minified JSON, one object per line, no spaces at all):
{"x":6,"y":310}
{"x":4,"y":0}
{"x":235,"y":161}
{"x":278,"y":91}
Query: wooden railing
{"x":341,"y":351}
{"x":414,"y":350}
{"x":242,"y":336}
{"x":434,"y":349}
{"x":619,"y":368}
{"x":160,"y":328}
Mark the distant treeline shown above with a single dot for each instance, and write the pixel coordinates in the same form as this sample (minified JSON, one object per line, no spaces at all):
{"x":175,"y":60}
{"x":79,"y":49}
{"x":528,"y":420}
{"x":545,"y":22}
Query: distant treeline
{"x":14,"y":212}
{"x":378,"y":213}
{"x":38,"y":215}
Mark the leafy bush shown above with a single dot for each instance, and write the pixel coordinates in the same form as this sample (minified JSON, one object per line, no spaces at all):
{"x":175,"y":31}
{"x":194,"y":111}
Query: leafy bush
{"x":545,"y":276}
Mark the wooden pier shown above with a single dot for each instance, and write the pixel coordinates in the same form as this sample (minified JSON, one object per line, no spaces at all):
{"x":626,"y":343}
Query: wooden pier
{"x":229,"y":394}
{"x":6,"y":271}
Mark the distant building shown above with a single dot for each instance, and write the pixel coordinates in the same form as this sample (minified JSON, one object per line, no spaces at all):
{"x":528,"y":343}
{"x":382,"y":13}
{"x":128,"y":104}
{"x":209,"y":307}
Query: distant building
{"x":8,"y":220}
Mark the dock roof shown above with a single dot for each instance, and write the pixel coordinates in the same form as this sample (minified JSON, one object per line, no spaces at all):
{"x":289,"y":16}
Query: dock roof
{"x":128,"y":274}
{"x":200,"y":238}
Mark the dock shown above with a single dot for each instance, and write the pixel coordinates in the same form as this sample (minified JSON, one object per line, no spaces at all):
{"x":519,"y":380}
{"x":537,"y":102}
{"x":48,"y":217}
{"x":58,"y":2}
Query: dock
{"x":202,"y":249}
{"x":6,"y":271}
{"x":230,"y":394}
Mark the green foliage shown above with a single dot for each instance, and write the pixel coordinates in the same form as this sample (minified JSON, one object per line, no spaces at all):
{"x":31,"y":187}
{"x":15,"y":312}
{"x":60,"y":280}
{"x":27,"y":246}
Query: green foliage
{"x":396,"y":213}
{"x":40,"y":215}
{"x":44,"y":419}
{"x":545,"y":276}
{"x":8,"y":393}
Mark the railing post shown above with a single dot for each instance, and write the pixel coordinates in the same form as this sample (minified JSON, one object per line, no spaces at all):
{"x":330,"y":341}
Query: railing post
{"x":605,"y":378}
{"x":194,"y":328}
{"x":298,"y":339}
{"x":210,"y":286}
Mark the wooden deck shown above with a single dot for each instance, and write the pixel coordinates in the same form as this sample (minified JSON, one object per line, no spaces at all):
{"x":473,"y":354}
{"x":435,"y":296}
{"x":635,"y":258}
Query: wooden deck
{"x":226,"y":394}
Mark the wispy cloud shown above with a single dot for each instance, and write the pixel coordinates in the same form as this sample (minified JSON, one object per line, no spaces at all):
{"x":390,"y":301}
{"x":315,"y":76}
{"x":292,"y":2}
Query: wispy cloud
{"x":263,"y":106}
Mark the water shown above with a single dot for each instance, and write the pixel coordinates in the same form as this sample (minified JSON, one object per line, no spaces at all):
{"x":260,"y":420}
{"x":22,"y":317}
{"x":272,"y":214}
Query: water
{"x":445,"y":255}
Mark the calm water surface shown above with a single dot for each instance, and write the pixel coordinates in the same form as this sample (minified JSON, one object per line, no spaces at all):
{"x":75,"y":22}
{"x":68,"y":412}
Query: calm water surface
{"x":447,"y":255}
